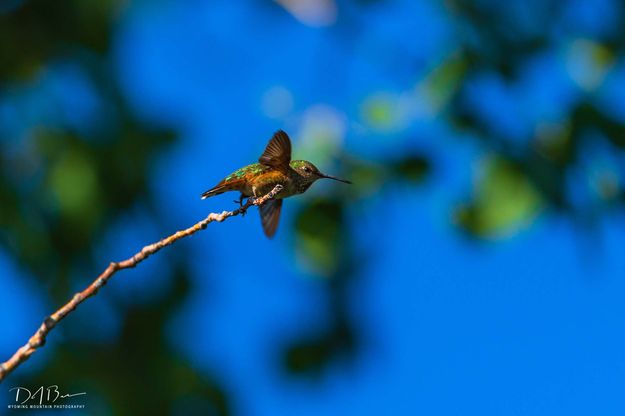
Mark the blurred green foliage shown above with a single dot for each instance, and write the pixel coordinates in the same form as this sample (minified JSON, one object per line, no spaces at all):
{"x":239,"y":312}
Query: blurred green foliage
{"x":503,"y":200}
{"x":513,"y":182}
{"x":534,"y":173}
{"x":37,"y":31}
{"x":61,"y":187}
{"x":324,"y":245}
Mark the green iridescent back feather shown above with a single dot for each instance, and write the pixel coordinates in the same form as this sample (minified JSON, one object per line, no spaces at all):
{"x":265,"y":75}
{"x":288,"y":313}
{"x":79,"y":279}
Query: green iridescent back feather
{"x":257,"y":168}
{"x":253,"y":169}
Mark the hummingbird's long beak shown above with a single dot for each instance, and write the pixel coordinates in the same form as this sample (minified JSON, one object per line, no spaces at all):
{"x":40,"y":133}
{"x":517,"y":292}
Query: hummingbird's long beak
{"x":323,"y":175}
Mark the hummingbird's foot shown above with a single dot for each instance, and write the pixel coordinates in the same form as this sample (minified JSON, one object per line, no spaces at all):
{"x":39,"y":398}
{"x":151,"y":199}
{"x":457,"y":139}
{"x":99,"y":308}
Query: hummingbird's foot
{"x":250,"y":201}
{"x":239,"y":201}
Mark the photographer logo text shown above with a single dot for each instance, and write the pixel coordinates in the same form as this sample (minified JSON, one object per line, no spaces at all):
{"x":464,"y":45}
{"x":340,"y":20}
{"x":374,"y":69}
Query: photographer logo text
{"x":43,"y":397}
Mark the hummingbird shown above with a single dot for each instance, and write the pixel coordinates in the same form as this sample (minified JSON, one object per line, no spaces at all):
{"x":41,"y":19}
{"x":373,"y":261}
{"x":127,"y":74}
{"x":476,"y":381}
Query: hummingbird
{"x":274,"y":167}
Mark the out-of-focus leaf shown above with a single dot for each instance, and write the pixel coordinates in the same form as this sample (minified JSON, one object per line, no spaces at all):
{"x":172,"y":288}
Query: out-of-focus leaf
{"x":588,"y":63}
{"x":379,"y":111}
{"x":310,"y":356}
{"x":554,"y":142}
{"x":391,"y":112}
{"x":26,"y":42}
{"x":74,"y":184}
{"x":319,"y":235}
{"x":503,"y":201}
{"x":587,"y":116}
{"x":411,"y":168}
{"x":442,"y":83}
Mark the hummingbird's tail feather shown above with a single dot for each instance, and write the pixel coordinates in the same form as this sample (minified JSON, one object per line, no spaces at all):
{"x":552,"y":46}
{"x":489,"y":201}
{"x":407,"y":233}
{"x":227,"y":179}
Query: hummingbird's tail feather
{"x":217,"y":190}
{"x":224,"y":186}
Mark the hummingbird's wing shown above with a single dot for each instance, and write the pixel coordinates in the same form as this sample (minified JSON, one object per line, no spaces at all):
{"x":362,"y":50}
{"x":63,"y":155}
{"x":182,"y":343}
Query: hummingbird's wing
{"x":270,"y":216}
{"x":277,"y":154}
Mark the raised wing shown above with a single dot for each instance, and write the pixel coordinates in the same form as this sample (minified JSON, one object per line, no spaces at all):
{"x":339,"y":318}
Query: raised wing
{"x":277,"y":154}
{"x":270,"y":216}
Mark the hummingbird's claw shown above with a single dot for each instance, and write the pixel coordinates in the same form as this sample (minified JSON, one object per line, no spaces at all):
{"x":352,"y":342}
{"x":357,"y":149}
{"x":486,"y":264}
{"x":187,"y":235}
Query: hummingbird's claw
{"x":239,"y":201}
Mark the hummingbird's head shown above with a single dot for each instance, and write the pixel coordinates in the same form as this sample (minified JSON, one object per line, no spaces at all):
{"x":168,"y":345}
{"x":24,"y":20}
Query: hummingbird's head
{"x":310,"y":173}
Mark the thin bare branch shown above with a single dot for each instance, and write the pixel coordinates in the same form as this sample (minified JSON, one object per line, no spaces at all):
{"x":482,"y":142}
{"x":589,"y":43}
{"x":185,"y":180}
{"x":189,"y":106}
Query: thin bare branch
{"x":39,"y":338}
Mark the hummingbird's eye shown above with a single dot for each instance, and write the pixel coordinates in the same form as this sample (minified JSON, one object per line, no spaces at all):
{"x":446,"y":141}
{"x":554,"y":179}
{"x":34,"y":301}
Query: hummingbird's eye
{"x":307,"y":169}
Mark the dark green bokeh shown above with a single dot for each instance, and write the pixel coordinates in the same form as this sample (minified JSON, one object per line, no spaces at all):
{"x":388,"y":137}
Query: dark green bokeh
{"x":59,"y":194}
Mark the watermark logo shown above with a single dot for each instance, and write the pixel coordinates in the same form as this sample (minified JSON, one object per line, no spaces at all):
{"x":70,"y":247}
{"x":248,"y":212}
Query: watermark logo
{"x":44,"y":397}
